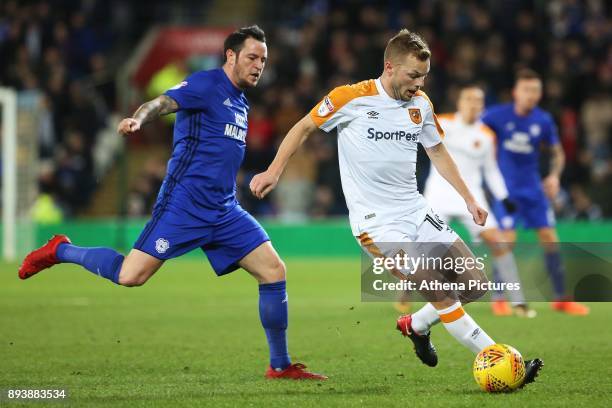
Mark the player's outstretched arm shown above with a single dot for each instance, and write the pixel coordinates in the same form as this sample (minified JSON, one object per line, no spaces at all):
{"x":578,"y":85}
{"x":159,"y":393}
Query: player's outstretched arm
{"x":265,"y":182}
{"x":447,"y":168}
{"x":162,"y":105}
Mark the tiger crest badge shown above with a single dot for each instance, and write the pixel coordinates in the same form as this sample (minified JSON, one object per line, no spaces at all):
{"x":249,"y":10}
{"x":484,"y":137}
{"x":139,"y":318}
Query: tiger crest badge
{"x":415,"y":115}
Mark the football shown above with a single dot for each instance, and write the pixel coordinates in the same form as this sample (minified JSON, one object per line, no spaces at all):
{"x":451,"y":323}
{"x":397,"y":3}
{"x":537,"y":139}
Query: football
{"x":499,"y":368}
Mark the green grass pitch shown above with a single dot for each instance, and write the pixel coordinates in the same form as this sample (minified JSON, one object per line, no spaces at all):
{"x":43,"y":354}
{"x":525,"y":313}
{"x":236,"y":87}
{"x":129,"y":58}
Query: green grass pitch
{"x":187,"y":338}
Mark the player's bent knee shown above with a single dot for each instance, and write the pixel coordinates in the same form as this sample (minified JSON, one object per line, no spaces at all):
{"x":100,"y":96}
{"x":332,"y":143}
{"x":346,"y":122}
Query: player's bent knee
{"x":133,"y":278}
{"x":470,"y":296}
{"x":131,"y":281}
{"x":278,"y":271}
{"x":275,"y":272}
{"x":137,"y":268}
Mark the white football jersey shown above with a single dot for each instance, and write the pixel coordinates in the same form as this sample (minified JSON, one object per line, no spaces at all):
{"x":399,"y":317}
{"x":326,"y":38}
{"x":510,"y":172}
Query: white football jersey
{"x":473,"y":149}
{"x":377,"y":149}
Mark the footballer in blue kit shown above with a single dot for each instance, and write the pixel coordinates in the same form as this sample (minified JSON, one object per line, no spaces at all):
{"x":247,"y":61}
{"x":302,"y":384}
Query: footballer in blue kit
{"x":522,"y":130}
{"x":518,"y":155}
{"x":196,"y":206}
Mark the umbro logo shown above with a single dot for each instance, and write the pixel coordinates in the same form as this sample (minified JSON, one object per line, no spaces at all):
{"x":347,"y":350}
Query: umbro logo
{"x":373,"y":114}
{"x":228,"y":103}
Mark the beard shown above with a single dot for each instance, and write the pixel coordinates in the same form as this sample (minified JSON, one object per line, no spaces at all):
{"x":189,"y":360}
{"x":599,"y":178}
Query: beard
{"x":243,"y":81}
{"x":401,"y":96}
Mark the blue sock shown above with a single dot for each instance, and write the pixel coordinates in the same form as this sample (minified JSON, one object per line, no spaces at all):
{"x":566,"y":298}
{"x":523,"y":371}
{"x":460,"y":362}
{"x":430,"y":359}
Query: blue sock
{"x":273,"y":315}
{"x":104,"y":262}
{"x":556,"y":273}
{"x":497,"y":294}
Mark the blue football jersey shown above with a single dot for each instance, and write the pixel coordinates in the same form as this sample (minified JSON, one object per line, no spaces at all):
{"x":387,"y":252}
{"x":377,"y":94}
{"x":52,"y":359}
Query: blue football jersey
{"x":209,"y":142}
{"x":519,"y":139}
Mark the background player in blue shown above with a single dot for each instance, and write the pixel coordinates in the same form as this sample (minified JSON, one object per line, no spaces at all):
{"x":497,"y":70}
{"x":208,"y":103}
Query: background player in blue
{"x":522,"y":128}
{"x":196,"y":206}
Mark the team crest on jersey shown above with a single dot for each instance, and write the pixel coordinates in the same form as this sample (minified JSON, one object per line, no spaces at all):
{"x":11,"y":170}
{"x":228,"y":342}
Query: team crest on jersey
{"x":476,"y":144}
{"x":177,"y":86}
{"x":535,"y":130}
{"x":161,"y":245}
{"x":326,"y":107}
{"x":415,"y":115}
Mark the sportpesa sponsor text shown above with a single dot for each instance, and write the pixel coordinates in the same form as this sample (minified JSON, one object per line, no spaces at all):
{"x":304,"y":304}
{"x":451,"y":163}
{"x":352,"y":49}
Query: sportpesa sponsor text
{"x":400,"y":135}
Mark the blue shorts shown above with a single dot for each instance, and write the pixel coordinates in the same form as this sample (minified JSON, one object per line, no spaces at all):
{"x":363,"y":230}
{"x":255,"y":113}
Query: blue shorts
{"x":531,"y":213}
{"x":174,"y":231}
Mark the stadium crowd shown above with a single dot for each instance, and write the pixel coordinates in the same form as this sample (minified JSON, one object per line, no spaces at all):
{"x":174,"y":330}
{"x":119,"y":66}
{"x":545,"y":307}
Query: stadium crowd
{"x":313,"y":47}
{"x":61,"y":52}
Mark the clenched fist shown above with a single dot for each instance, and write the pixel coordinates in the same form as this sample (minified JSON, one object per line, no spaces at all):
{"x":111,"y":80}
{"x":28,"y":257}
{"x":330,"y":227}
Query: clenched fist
{"x":479,"y":214}
{"x":128,"y":126}
{"x":551,"y":186}
{"x":262,"y":184}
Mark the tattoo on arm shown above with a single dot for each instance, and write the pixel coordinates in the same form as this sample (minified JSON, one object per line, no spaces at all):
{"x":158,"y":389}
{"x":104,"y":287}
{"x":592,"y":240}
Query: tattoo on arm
{"x":557,"y":161}
{"x":162,"y":105}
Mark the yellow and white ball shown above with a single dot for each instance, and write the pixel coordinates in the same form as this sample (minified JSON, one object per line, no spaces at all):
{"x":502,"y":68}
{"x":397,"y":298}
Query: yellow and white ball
{"x":499,"y":368}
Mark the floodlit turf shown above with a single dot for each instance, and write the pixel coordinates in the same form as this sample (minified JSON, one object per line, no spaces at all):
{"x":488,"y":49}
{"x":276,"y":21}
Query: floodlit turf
{"x":187,"y":338}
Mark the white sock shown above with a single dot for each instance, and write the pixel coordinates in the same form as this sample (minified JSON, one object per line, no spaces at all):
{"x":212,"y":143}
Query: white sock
{"x":424,"y":318}
{"x":508,"y":272}
{"x":463,"y":328}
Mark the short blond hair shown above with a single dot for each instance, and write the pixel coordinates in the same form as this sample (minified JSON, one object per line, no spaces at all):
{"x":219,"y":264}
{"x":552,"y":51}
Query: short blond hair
{"x":407,"y":42}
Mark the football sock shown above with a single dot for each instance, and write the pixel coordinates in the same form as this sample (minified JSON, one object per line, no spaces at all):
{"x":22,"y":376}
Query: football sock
{"x":104,"y":262}
{"x":497,"y":294}
{"x":424,"y":318}
{"x":555,"y":272}
{"x":462,"y":327}
{"x":508,"y":272}
{"x":273,"y":314}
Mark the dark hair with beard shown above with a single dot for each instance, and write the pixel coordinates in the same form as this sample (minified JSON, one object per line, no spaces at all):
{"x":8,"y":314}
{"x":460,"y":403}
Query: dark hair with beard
{"x":235,"y":41}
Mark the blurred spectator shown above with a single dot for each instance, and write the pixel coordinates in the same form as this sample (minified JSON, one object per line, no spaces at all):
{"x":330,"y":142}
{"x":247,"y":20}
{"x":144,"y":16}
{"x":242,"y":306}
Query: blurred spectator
{"x":167,"y":77}
{"x":46,"y":209}
{"x":63,"y":49}
{"x":143,"y":191}
{"x":74,"y":172}
{"x":597,"y":122}
{"x":582,"y":206}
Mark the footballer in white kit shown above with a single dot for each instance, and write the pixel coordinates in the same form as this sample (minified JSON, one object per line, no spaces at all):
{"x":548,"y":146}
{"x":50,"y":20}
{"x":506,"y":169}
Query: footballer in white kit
{"x":379,"y":123}
{"x":472,"y":145}
{"x":377,"y":152}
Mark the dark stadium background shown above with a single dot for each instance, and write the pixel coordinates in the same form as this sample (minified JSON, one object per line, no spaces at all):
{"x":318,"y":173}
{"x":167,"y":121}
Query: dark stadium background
{"x":74,"y":52}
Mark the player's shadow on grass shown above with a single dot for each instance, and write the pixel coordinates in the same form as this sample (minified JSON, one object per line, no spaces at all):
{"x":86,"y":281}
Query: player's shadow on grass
{"x":323,"y":389}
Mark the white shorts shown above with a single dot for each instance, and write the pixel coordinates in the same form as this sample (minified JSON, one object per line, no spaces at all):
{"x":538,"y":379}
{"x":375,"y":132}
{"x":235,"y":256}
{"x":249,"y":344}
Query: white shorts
{"x":383,"y":236}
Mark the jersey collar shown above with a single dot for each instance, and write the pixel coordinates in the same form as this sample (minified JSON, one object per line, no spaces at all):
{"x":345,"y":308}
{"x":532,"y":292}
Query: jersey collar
{"x":229,"y":85}
{"x":386,"y":96}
